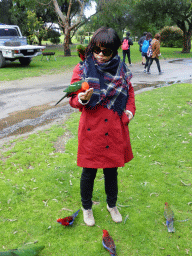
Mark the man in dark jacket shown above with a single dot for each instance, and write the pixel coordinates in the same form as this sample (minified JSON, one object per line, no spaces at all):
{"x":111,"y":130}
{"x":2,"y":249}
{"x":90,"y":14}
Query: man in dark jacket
{"x":127,"y":52}
{"x":140,"y":42}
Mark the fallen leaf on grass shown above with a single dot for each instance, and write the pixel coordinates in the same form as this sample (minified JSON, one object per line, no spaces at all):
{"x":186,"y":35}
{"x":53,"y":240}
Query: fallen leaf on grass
{"x":154,"y":194}
{"x":126,"y":218}
{"x":65,"y":209}
{"x":184,"y":184}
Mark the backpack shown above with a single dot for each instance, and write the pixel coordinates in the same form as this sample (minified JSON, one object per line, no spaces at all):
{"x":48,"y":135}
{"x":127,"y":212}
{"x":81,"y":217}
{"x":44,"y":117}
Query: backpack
{"x":125,"y":45}
{"x":145,"y":46}
{"x":150,"y":51}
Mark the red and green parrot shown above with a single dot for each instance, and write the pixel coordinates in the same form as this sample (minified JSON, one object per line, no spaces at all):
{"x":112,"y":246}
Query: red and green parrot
{"x":75,"y":88}
{"x":24,"y":251}
{"x":108,"y":243}
{"x":169,"y":215}
{"x":68,"y":221}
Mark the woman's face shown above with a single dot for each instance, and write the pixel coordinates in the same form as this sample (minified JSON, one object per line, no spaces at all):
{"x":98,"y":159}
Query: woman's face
{"x":102,"y":54}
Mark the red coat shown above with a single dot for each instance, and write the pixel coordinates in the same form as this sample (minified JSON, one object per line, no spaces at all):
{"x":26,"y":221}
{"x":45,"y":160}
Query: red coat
{"x":103,"y":136}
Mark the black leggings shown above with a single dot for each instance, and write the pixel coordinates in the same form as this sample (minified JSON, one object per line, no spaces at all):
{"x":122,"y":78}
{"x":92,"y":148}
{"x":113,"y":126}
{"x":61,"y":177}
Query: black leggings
{"x":87,"y":183}
{"x":150,"y":63}
{"x":127,"y":52}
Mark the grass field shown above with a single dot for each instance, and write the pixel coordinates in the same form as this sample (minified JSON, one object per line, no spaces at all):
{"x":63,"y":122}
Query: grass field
{"x":39,"y":67}
{"x":39,"y":185}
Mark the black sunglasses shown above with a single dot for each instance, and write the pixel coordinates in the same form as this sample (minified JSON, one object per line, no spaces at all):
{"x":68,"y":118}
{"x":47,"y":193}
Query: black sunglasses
{"x":106,"y":51}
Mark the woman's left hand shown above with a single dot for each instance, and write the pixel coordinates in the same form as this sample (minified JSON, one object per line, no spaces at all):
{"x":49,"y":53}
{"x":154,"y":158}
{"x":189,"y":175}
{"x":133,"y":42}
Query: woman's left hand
{"x":86,"y":95}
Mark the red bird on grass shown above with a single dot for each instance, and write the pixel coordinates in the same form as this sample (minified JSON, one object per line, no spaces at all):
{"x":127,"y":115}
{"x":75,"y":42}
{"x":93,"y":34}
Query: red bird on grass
{"x":68,"y":221}
{"x":108,"y":243}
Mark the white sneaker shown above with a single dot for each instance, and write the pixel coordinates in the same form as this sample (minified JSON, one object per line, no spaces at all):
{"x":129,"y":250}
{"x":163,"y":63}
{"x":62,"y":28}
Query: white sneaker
{"x":88,"y":217}
{"x":115,"y":214}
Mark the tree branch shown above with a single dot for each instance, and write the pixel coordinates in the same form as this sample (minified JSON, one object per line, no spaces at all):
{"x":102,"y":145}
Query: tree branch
{"x":69,"y":10}
{"x":59,"y":12}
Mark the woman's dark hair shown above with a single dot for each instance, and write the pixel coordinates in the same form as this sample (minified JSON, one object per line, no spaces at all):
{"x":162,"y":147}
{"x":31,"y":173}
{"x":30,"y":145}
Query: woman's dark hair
{"x":148,"y":36}
{"x":104,"y":37}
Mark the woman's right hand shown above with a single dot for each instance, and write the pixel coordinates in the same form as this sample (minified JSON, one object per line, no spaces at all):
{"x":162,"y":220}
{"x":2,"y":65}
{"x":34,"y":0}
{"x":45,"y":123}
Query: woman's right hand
{"x":86,"y":95}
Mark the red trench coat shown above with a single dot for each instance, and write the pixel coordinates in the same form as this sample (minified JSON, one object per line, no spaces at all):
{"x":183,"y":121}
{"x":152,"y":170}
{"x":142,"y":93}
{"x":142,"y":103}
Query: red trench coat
{"x":103,"y":136}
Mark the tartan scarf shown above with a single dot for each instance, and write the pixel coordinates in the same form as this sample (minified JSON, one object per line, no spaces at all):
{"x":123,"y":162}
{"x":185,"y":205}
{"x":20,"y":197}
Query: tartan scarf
{"x":110,"y":82}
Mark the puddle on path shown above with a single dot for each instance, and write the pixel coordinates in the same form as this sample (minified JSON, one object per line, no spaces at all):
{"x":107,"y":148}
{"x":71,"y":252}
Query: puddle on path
{"x":27,"y":120}
{"x":142,"y":86}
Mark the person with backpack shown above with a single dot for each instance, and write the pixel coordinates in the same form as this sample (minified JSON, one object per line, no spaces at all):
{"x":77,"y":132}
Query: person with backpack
{"x":140,"y":42}
{"x":126,"y":42}
{"x":156,"y":53}
{"x":145,"y":49}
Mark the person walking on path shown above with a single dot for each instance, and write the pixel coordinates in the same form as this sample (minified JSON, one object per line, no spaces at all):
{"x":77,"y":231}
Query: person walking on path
{"x":106,"y":109}
{"x":156,"y":53}
{"x":127,"y":51}
{"x":146,"y":42}
{"x":140,"y":42}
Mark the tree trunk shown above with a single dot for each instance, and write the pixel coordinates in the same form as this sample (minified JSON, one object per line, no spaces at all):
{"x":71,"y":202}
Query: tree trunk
{"x":67,"y":51}
{"x":186,"y":42}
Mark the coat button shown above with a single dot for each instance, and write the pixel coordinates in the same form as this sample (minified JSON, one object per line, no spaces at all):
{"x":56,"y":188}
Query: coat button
{"x":107,"y":146}
{"x":106,"y":120}
{"x":88,"y":129}
{"x":106,"y":134}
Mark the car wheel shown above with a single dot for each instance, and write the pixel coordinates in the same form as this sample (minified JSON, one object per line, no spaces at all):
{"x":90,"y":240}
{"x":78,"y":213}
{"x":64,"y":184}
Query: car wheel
{"x":2,"y":60}
{"x":25,"y":61}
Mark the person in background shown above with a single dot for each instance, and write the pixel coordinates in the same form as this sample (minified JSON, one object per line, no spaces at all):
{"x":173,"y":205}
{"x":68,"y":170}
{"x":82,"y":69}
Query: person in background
{"x":106,"y":109}
{"x":140,"y":42}
{"x":156,"y":53}
{"x":127,"y":52}
{"x":149,"y":39}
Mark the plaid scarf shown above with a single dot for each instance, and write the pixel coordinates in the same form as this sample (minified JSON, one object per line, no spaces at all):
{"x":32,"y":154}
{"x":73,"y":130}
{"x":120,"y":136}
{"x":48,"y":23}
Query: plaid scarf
{"x":110,"y":81}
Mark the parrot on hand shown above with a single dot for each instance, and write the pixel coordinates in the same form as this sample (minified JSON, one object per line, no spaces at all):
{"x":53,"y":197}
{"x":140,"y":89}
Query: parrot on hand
{"x":169,"y":215}
{"x":77,"y":87}
{"x":24,"y":251}
{"x":68,"y":221}
{"x":108,"y":243}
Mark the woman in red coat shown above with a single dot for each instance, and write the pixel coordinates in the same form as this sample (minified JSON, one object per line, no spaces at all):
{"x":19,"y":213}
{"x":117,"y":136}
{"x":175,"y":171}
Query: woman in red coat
{"x":107,"y":107}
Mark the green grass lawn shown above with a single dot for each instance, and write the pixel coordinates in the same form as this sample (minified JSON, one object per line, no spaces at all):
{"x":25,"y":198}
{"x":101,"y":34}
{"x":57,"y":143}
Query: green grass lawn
{"x":38,"y":67}
{"x":39,"y":185}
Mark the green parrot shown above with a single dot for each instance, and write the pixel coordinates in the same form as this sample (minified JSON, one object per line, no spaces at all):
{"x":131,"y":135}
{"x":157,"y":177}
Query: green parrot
{"x":24,"y":251}
{"x":76,"y":87}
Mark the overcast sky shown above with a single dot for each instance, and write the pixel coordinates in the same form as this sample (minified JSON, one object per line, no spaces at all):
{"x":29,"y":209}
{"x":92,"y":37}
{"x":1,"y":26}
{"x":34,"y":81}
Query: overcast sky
{"x":91,"y":10}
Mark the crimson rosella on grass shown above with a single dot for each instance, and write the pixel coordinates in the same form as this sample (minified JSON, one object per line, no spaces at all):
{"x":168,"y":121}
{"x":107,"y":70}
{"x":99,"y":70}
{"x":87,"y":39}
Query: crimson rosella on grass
{"x":68,"y":221}
{"x":169,"y":215}
{"x":75,"y":88}
{"x":108,"y":243}
{"x":24,"y":251}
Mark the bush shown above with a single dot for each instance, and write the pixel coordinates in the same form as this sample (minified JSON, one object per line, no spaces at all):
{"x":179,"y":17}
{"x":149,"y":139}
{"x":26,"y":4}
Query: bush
{"x":171,"y":37}
{"x":53,"y":36}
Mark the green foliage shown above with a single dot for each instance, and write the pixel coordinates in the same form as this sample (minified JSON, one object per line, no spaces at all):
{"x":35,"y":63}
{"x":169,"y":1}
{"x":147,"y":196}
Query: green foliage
{"x":118,"y":16}
{"x":39,"y":185}
{"x":160,"y":13}
{"x":171,"y":37}
{"x":53,"y":36}
{"x":35,"y":27}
